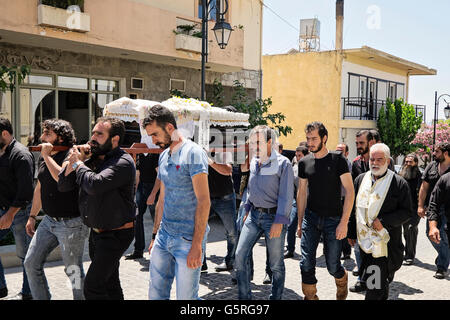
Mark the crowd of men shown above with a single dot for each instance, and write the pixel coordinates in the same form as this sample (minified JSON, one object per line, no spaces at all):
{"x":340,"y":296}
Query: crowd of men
{"x":97,"y":192}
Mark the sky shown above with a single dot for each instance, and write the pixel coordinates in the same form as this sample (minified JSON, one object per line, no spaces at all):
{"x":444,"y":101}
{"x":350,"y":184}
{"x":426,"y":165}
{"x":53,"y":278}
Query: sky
{"x":418,"y":31}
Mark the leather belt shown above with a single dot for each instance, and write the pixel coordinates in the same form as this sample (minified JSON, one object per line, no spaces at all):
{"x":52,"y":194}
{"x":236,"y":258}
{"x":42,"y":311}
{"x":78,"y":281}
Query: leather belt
{"x":127,"y":225}
{"x":62,"y":218}
{"x":267,"y":210}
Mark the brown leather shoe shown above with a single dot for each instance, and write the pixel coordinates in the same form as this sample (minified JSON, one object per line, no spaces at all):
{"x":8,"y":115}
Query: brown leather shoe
{"x":342,"y":287}
{"x":309,"y":290}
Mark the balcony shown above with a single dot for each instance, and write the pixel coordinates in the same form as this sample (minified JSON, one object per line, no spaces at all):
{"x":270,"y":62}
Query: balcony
{"x":368,"y":109}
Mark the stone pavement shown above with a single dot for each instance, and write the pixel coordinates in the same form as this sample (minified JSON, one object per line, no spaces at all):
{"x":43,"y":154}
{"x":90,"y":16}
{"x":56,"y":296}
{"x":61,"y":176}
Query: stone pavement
{"x":414,"y":282}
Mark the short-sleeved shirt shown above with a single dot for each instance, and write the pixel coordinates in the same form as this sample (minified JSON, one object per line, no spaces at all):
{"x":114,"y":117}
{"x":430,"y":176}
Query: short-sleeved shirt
{"x":176,"y":171}
{"x":55,"y":203}
{"x":219,"y":185}
{"x":147,"y":164}
{"x":324,"y":182}
{"x":431,"y":176}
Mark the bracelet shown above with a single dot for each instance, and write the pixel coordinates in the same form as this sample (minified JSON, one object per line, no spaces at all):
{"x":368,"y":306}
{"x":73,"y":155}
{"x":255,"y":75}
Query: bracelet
{"x":153,"y":236}
{"x":33,"y":217}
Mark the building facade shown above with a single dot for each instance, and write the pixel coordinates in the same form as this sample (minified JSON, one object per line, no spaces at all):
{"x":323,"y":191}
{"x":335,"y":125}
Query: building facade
{"x":344,"y":89}
{"x":80,"y":61}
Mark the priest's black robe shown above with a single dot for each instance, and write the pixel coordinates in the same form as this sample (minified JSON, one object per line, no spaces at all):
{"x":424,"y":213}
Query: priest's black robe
{"x":396,"y":210}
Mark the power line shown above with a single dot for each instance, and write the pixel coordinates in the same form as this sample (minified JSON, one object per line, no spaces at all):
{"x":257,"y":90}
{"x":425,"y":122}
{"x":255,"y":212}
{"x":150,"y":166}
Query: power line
{"x":273,"y":11}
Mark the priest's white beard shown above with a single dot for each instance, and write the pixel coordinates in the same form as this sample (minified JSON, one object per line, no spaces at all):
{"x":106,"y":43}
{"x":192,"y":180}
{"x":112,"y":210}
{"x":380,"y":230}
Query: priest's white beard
{"x":378,"y":171}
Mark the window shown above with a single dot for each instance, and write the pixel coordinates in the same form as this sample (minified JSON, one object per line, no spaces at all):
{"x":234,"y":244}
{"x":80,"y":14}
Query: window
{"x":72,"y":82}
{"x":212,"y":10}
{"x":104,"y":85}
{"x":137,"y":83}
{"x":179,"y":85}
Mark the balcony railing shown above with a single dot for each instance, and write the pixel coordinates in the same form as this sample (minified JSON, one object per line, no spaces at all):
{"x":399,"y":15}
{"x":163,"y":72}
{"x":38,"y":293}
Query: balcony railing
{"x":368,"y":109}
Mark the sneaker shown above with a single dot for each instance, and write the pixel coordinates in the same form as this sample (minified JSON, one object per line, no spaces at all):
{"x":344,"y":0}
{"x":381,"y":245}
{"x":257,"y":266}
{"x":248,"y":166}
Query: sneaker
{"x":134,"y":256}
{"x":358,"y":287}
{"x":3,"y":292}
{"x":408,"y":262}
{"x":224,"y":267}
{"x":355,"y":273}
{"x":21,"y":296}
{"x":345,"y":257}
{"x":267,"y":279}
{"x":440,"y":274}
{"x":289,"y":254}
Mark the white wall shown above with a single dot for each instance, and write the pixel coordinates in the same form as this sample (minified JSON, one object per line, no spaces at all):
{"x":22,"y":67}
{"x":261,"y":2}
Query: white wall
{"x":349,"y":67}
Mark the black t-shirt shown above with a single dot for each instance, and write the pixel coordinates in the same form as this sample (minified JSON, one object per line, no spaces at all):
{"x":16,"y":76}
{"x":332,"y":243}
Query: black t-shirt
{"x":147,"y":164}
{"x":219,"y":184}
{"x":54,"y":203}
{"x":324,"y":182}
{"x":431,"y":176}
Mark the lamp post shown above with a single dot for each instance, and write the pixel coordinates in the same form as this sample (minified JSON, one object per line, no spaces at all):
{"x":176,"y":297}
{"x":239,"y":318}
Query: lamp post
{"x":222,"y":31}
{"x":436,"y":112}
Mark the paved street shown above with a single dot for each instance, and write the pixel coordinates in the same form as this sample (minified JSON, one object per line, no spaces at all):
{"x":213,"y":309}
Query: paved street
{"x":411,"y":282}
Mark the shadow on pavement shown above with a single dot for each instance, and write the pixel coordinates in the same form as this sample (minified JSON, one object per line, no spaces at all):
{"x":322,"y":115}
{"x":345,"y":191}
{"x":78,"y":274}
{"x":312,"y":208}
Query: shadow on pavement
{"x":222,"y":288}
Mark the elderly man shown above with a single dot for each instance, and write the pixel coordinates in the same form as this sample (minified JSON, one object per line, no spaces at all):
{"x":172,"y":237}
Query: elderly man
{"x":268,"y":207}
{"x":382,"y":206}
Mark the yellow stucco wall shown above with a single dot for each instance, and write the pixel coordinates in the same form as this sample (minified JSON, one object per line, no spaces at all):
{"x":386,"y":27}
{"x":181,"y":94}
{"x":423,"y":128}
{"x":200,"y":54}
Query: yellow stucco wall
{"x":305,"y":87}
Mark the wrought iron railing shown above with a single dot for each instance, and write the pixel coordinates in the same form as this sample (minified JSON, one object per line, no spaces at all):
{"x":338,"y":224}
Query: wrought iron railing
{"x":368,"y":109}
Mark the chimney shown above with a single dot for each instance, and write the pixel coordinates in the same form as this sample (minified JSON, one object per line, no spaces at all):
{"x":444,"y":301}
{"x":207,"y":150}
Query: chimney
{"x":339,"y":23}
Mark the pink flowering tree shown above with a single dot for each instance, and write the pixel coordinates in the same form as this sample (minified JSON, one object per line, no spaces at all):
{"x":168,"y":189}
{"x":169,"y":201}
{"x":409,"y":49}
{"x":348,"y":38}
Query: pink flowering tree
{"x":424,"y":139}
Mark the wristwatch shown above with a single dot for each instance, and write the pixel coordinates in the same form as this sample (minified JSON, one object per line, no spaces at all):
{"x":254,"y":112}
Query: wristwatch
{"x":76,"y":164}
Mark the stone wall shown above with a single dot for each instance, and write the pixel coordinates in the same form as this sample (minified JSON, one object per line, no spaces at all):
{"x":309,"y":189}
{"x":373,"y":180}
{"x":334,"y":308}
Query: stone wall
{"x":156,"y":76}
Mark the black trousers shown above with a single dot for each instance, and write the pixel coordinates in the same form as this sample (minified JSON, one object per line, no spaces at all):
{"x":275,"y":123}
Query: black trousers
{"x":105,"y":250}
{"x":375,"y":274}
{"x":410,"y":232}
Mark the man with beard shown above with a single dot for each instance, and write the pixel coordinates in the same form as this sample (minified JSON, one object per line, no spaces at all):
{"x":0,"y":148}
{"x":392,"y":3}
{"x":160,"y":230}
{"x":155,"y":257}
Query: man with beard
{"x":62,"y":223}
{"x":16,"y":193}
{"x":181,"y":219}
{"x":383,"y":204}
{"x":432,"y":173}
{"x":364,"y":140}
{"x":411,"y":173}
{"x":440,"y":197}
{"x":105,"y":176}
{"x":321,"y":211}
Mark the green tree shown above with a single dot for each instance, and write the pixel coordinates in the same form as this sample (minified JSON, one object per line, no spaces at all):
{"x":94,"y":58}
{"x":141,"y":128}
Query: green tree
{"x":11,"y":73}
{"x":257,"y":109}
{"x":398,"y":126}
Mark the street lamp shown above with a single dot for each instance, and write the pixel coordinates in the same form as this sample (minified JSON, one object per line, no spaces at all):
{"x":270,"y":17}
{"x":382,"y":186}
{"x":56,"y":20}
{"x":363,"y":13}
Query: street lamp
{"x":222,"y":31}
{"x":436,"y":108}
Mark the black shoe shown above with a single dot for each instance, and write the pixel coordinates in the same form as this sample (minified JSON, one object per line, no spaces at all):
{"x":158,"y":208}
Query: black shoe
{"x":267,"y":279}
{"x":134,"y":256}
{"x":345,"y":257}
{"x":204,"y":267}
{"x":223,"y":267}
{"x":289,"y":254}
{"x":440,"y":274}
{"x":234,"y":280}
{"x":358,"y":287}
{"x":355,"y":273}
{"x":3,"y":292}
{"x":21,"y":296}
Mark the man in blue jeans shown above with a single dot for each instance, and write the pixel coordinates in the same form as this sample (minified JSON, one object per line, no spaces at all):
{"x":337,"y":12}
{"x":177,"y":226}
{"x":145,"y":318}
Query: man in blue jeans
{"x":16,"y":193}
{"x":430,"y":176}
{"x":268,"y":206}
{"x":321,"y":212}
{"x":223,"y":203}
{"x":62,"y":225}
{"x":181,"y":220}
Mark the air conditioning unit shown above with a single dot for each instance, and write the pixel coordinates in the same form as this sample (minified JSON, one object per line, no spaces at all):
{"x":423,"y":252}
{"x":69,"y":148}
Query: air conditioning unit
{"x":137,"y":83}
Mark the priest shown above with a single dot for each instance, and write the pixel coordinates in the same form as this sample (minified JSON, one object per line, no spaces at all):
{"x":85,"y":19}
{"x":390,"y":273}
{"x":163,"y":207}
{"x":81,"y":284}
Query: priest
{"x":382,"y":206}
